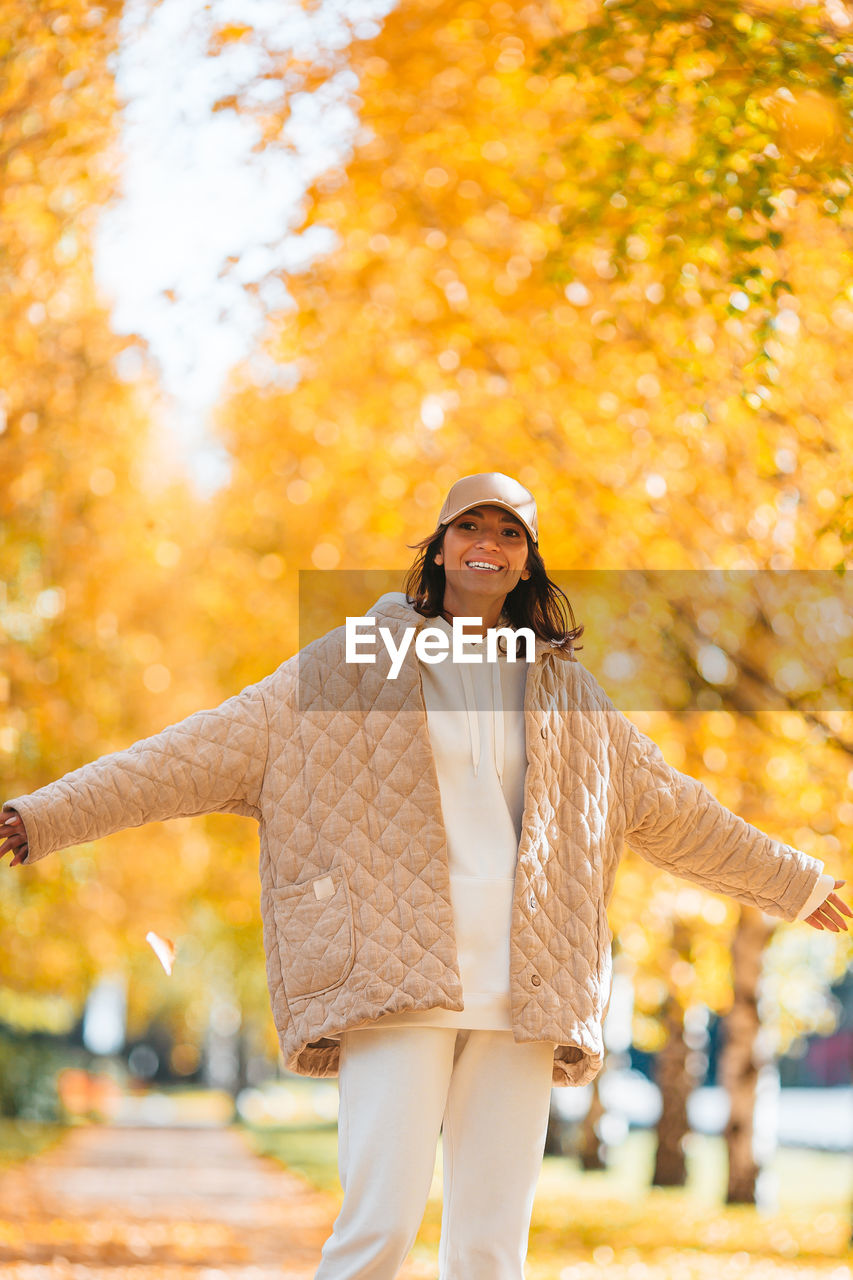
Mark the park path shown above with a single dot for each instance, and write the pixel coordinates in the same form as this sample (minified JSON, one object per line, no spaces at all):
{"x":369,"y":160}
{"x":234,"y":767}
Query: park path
{"x":112,"y":1203}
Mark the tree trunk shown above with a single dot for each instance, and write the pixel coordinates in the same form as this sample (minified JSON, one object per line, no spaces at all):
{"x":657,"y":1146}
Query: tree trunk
{"x":739,"y":1063}
{"x":592,"y":1151}
{"x":674,"y":1081}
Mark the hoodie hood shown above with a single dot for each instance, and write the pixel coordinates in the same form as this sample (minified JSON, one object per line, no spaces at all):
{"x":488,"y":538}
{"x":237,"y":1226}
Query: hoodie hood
{"x":394,"y":608}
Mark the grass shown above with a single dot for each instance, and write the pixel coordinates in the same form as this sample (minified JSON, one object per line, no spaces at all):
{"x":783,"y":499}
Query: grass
{"x":20,"y":1139}
{"x":612,"y":1225}
{"x":309,"y":1150}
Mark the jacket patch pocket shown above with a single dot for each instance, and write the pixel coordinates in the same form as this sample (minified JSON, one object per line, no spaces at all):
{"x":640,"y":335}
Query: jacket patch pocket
{"x":314,"y":925}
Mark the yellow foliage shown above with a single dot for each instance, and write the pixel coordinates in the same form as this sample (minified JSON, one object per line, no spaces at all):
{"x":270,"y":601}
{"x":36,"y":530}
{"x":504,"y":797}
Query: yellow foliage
{"x":458,"y":326}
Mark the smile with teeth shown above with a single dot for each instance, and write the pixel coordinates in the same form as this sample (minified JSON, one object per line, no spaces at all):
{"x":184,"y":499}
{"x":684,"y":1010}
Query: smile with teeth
{"x":483,"y":564}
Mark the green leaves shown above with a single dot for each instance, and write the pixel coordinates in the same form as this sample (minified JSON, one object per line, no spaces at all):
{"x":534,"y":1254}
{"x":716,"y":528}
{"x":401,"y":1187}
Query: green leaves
{"x":718,"y":114}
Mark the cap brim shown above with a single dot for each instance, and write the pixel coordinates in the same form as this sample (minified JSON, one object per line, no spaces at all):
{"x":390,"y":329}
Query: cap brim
{"x":490,"y":502}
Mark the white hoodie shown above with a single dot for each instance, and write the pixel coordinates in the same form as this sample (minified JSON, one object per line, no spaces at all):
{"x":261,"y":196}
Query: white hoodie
{"x":475,"y":714}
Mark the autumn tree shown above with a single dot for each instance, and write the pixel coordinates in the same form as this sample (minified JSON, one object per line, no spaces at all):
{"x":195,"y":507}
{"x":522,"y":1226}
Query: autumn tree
{"x":98,"y":540}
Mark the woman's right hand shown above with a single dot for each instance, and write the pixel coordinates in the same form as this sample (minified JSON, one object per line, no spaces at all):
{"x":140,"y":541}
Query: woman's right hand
{"x":14,"y":835}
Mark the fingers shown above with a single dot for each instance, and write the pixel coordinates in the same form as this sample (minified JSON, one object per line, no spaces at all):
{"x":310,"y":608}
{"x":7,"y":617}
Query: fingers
{"x":15,"y":837}
{"x":831,"y":919}
{"x":826,"y":916}
{"x":840,"y":903}
{"x":832,"y":908}
{"x":18,"y":850}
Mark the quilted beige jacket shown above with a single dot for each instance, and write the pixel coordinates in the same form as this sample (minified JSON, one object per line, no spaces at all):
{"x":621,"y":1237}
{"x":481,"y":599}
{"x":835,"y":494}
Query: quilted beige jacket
{"x":334,"y":762}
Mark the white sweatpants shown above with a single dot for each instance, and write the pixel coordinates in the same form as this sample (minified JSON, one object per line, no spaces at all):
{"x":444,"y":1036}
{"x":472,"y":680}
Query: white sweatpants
{"x":397,"y":1085}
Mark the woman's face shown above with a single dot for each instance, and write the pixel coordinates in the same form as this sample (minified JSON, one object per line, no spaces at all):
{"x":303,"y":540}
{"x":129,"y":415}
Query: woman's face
{"x":484,"y":536}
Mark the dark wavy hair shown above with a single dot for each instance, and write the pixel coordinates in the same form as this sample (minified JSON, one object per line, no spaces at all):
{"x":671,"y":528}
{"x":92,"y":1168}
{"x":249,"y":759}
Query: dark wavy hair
{"x":536,"y":602}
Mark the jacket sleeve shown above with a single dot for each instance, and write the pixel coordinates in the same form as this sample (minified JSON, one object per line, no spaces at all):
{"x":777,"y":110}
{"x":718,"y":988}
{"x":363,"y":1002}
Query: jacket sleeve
{"x":211,"y":762}
{"x":675,"y":822}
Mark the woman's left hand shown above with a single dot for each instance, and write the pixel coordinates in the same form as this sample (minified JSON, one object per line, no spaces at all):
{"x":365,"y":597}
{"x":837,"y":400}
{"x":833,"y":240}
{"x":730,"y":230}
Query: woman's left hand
{"x":827,"y":915}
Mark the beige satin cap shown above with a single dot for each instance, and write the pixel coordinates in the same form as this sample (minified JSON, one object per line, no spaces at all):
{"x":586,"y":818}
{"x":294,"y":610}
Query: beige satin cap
{"x":496,"y":489}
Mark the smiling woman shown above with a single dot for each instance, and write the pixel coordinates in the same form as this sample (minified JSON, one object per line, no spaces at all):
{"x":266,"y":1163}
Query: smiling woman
{"x":485,"y":548}
{"x":484,"y":554}
{"x":437,"y":855}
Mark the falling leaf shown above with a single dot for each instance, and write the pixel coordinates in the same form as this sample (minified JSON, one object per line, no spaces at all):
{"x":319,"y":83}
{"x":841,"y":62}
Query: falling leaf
{"x":164,"y":949}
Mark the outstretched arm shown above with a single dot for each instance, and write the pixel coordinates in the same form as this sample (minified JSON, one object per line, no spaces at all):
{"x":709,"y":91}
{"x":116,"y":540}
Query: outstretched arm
{"x":211,"y":762}
{"x":675,"y":822}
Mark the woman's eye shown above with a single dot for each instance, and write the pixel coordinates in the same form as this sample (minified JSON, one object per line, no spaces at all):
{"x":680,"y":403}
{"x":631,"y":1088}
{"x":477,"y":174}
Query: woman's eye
{"x":472,"y":524}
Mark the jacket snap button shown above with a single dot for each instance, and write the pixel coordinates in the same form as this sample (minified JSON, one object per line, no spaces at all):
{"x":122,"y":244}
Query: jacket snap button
{"x":535,"y":981}
{"x":533,"y":902}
